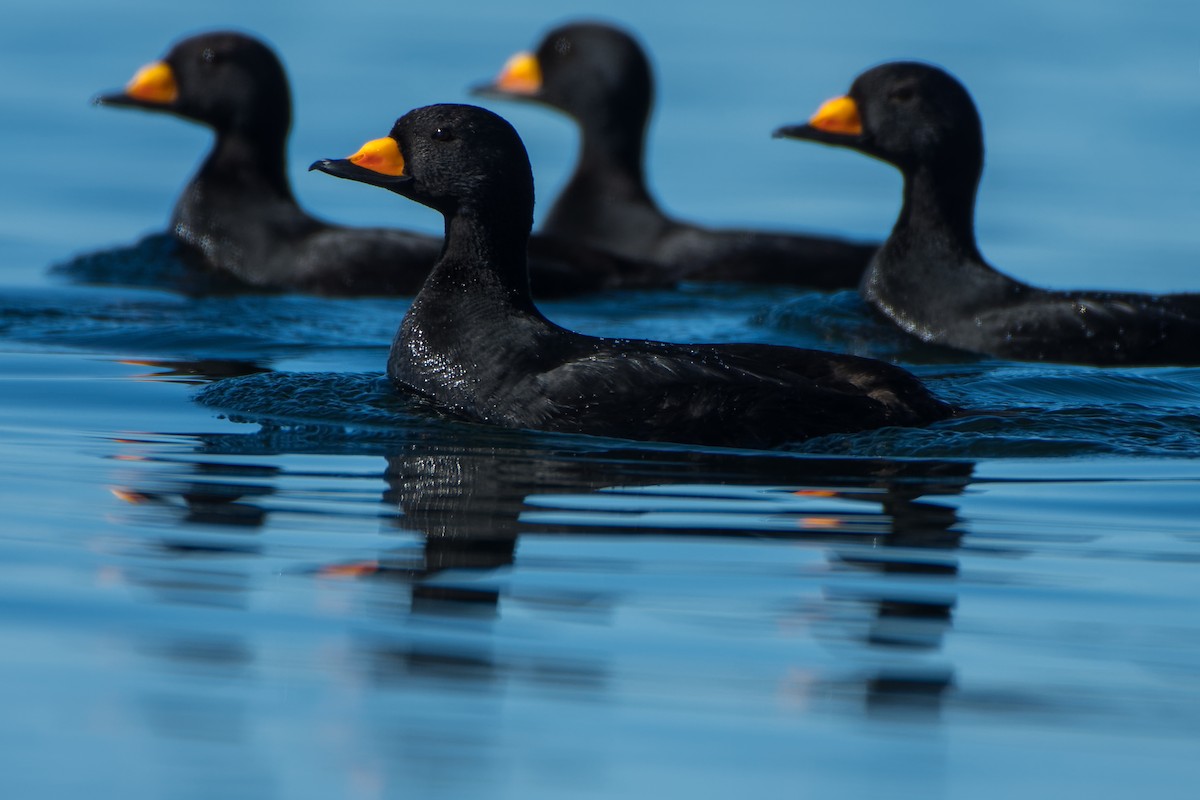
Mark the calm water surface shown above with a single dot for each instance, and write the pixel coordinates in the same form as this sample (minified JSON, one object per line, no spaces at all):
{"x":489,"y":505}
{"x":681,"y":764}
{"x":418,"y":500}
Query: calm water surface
{"x":234,"y":564}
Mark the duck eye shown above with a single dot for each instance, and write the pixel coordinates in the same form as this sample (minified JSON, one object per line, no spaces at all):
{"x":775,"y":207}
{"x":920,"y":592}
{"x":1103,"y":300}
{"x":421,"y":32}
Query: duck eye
{"x":442,"y":135}
{"x":902,"y":95}
{"x":562,"y":45}
{"x":208,"y":56}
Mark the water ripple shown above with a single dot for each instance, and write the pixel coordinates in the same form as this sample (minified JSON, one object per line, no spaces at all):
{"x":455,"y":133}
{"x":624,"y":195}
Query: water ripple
{"x":1014,"y":412}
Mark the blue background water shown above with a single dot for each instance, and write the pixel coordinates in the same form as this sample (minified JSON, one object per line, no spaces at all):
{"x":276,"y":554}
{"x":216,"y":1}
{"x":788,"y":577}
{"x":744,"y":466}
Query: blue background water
{"x":293,"y":584}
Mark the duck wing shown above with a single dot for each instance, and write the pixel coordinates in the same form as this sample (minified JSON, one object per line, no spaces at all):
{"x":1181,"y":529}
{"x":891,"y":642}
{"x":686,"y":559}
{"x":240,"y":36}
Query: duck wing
{"x":1103,"y":328}
{"x":749,"y":395}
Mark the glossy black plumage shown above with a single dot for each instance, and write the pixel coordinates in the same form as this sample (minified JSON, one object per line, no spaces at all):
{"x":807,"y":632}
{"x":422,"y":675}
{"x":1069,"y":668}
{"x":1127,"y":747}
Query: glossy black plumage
{"x":599,"y":76}
{"x":238,"y":216}
{"x":474,"y":343}
{"x":929,"y":277}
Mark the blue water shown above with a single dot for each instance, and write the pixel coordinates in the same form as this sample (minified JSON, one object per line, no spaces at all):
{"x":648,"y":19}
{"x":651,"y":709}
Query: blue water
{"x":234,"y":564}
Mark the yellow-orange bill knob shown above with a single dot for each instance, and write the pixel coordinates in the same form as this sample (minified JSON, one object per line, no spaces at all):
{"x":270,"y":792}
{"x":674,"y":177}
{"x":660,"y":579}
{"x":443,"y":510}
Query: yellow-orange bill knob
{"x":522,"y":74}
{"x":839,"y":115}
{"x":380,"y":155}
{"x":153,"y":83}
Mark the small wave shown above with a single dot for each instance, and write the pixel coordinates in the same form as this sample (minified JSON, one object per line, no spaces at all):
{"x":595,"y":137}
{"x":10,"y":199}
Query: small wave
{"x":287,"y":398}
{"x":841,"y":321}
{"x":1084,"y":414}
{"x":1046,"y":410}
{"x":237,"y":326}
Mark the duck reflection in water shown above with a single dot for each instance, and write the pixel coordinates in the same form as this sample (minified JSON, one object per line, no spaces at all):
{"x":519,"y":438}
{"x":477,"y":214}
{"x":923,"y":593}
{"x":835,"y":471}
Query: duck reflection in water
{"x":473,"y":506}
{"x":471,"y":496}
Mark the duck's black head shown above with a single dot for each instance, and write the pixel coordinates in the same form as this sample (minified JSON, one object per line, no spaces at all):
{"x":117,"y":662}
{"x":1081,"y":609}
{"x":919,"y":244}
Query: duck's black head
{"x":227,"y":80}
{"x":590,"y":70}
{"x":452,"y":158}
{"x":906,"y":113}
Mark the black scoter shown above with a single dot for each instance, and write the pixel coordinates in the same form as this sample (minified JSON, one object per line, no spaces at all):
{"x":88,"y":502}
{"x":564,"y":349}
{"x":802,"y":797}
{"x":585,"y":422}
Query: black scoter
{"x":237,"y":216}
{"x":929,"y":277}
{"x":476,"y":346}
{"x":600,"y":76}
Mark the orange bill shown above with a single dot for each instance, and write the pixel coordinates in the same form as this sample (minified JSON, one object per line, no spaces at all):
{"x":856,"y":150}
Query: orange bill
{"x":153,"y":83}
{"x":380,"y":155}
{"x":522,"y":74}
{"x":839,"y":115}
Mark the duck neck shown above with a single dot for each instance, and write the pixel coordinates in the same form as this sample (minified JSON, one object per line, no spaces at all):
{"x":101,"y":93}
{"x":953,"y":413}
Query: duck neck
{"x":609,"y":173}
{"x":606,"y":203}
{"x":474,"y":308}
{"x":938,"y":215}
{"x":250,"y":162}
{"x":240,"y":190}
{"x":930,"y":267}
{"x":486,"y":257}
{"x":615,"y":150}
